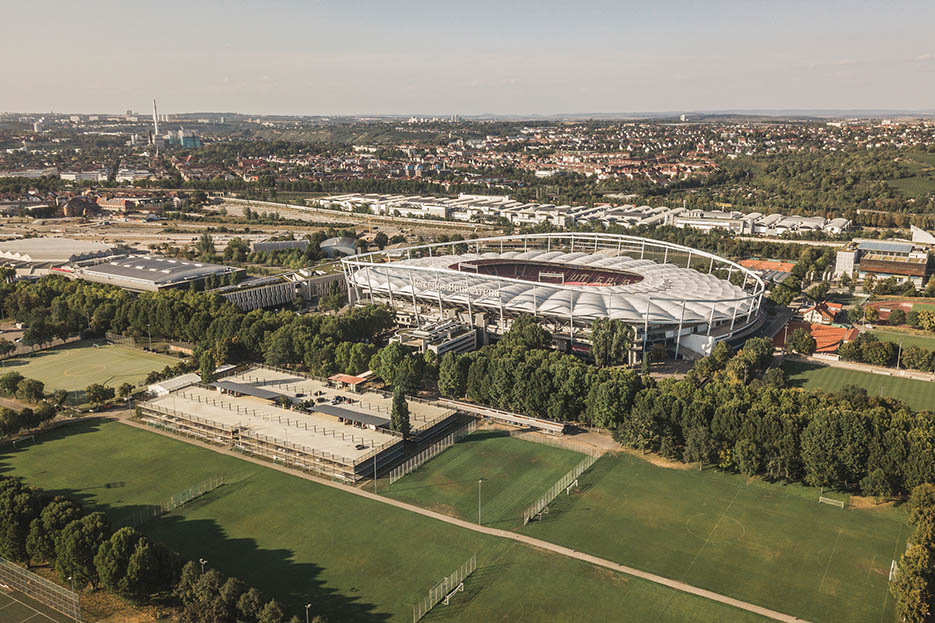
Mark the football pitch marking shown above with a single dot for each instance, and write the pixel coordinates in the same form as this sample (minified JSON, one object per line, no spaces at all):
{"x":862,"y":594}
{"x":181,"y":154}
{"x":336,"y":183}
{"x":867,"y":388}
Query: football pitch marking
{"x":830,"y":558}
{"x":14,"y":600}
{"x":85,"y":370}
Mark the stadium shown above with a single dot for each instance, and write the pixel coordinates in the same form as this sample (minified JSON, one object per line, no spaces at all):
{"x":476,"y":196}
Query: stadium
{"x":683,"y":298}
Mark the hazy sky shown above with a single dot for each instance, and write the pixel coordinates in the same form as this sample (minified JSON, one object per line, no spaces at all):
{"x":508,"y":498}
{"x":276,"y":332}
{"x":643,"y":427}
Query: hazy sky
{"x":467,"y":57}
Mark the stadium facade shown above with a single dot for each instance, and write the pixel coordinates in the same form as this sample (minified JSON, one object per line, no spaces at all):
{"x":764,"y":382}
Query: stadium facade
{"x":671,"y":294}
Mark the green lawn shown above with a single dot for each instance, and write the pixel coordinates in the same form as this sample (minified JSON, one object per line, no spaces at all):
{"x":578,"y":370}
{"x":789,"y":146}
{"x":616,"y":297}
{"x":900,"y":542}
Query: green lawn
{"x":914,"y":186}
{"x":353,"y":558}
{"x":923,"y":307}
{"x":917,"y":394}
{"x":514,"y":472}
{"x":75,"y":366}
{"x":907,"y":339}
{"x":765,"y":543}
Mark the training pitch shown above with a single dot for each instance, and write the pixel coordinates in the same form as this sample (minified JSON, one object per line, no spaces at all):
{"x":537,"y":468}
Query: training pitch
{"x":513,"y":474}
{"x":354,"y":559}
{"x":917,"y":394}
{"x":768,"y":544}
{"x":75,"y":366}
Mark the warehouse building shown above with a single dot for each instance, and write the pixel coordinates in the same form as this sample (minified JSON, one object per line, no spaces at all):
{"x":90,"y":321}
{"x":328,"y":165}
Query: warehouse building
{"x":149,"y":273}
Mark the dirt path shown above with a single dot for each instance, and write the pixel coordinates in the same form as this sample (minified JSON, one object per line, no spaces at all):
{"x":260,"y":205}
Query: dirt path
{"x":124,"y":417}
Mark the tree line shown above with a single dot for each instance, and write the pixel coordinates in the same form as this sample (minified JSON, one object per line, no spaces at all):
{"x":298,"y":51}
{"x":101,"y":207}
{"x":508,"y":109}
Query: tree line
{"x":913,"y":584}
{"x":85,"y":549}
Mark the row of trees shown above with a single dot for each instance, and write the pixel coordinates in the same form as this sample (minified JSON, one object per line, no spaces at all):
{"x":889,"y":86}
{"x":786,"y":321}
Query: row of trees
{"x":37,"y":528}
{"x":913,"y":585}
{"x":867,"y":348}
{"x":278,"y":338}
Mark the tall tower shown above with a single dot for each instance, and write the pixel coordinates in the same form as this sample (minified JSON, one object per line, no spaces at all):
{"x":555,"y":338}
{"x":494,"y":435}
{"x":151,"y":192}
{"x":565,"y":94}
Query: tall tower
{"x":155,"y":120}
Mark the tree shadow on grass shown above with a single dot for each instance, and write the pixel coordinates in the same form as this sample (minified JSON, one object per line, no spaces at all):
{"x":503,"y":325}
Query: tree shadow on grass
{"x":797,"y":371}
{"x":273,"y":571}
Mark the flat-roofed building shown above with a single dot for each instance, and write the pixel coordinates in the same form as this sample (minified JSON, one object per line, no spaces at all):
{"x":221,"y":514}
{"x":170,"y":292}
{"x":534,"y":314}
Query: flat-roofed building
{"x":147,"y":273}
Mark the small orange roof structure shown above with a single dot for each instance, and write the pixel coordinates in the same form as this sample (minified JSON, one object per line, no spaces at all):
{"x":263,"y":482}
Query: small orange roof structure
{"x":828,"y":339}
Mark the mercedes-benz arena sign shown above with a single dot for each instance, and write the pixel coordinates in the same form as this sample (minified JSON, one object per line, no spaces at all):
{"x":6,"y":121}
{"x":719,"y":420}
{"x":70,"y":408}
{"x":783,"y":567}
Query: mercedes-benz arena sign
{"x":665,"y":291}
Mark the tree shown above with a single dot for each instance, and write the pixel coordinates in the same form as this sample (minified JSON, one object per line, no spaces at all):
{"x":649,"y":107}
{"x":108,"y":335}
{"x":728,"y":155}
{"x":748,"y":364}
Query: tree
{"x":819,"y":291}
{"x":6,"y":347}
{"x":30,"y":390}
{"x":125,"y":390}
{"x":876,"y":484}
{"x":747,"y":456}
{"x":855,"y":314}
{"x":697,"y":446}
{"x":775,"y":377}
{"x":77,"y":545}
{"x":897,"y":317}
{"x":9,"y":383}
{"x":452,"y":375}
{"x":272,"y":612}
{"x":380,"y":240}
{"x":205,"y":246}
{"x":871,"y":314}
{"x":207,"y":367}
{"x":801,"y":341}
{"x":912,"y":585}
{"x":112,"y":559}
{"x":98,"y":394}
{"x":250,"y":604}
{"x":610,"y":342}
{"x":143,"y":569}
{"x":40,"y":542}
{"x":399,"y":417}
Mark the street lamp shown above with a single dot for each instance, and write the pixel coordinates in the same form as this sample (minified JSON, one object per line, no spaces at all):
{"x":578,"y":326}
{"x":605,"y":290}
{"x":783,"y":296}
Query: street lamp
{"x":479,"y":482}
{"x":149,"y":332}
{"x":202,"y":561}
{"x":307,"y":606}
{"x":71,"y":579}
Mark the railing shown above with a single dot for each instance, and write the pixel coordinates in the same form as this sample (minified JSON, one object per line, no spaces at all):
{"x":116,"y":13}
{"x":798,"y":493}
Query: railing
{"x":45,"y":592}
{"x":181,"y":498}
{"x":564,"y":484}
{"x":413,"y":463}
{"x":444,"y":589}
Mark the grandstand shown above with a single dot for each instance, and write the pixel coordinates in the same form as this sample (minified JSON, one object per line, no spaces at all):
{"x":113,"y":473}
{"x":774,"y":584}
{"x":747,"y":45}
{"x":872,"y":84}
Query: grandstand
{"x":298,"y":421}
{"x":681,"y":297}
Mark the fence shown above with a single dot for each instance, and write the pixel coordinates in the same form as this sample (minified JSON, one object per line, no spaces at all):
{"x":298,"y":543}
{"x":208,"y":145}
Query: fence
{"x":444,"y":589}
{"x":47,"y":593}
{"x":562,"y":485}
{"x":433,"y":450}
{"x":558,"y":442}
{"x":149,"y":513}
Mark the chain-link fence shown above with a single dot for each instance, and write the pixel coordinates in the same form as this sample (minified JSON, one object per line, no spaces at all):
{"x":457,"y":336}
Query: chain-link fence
{"x":148,"y":513}
{"x":412,"y":464}
{"x":562,"y":485}
{"x":45,"y":592}
{"x":444,"y":589}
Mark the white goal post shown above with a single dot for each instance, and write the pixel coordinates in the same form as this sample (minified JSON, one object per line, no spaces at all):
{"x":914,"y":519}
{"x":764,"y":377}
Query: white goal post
{"x":839,"y":503}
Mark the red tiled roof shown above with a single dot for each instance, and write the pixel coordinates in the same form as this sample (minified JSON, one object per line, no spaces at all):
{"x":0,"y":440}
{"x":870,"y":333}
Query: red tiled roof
{"x":827,"y":339}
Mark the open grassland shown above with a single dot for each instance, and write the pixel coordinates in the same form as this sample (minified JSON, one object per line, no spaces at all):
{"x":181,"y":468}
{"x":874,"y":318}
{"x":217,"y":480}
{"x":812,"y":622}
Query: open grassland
{"x":917,"y":394}
{"x":354,"y":559}
{"x":514,"y":473}
{"x":765,"y":543}
{"x":74,"y":366}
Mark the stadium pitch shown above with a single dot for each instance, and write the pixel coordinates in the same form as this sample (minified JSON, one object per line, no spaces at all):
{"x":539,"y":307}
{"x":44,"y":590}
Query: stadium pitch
{"x":74,"y":366}
{"x":917,"y":394}
{"x":764,"y":543}
{"x":513,"y":473}
{"x":355,"y":559}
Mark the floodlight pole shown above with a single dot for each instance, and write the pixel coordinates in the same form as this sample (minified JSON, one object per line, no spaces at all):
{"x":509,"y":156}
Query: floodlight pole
{"x":307,"y":606}
{"x":202,"y":561}
{"x":899,"y":354}
{"x":71,"y":578}
{"x":479,"y":482}
{"x":149,"y":332}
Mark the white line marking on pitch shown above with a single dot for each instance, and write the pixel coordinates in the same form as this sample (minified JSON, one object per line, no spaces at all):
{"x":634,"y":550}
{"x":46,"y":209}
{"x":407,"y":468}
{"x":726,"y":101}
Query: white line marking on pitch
{"x":830,"y":558}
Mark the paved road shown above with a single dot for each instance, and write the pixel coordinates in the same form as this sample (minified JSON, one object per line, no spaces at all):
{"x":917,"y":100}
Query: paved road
{"x":505,"y":534}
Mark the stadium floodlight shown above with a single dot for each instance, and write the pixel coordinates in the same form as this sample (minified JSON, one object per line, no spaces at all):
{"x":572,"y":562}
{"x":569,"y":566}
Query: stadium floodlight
{"x":202,"y":561}
{"x":307,"y":606}
{"x":480,"y":481}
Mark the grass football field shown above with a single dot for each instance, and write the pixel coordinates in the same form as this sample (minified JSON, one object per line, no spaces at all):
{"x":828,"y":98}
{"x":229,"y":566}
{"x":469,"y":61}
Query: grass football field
{"x":354,"y":559}
{"x":768,"y":544}
{"x":907,"y":339}
{"x":917,"y":394}
{"x":74,"y":366}
{"x":514,"y":473}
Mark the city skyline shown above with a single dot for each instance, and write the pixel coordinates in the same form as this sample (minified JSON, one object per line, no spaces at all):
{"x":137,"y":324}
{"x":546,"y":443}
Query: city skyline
{"x":328,"y":58}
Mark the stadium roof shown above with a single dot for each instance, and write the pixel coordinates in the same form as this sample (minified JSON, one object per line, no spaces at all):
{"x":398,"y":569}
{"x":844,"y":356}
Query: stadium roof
{"x":345,"y":246}
{"x":53,"y":250}
{"x":658,"y":297}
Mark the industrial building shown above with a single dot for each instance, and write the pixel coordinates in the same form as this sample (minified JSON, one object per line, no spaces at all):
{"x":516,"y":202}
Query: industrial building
{"x":38,"y":256}
{"x":148,"y":273}
{"x":446,"y":336}
{"x":880,"y":259}
{"x":468,"y":207}
{"x":281,"y":290}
